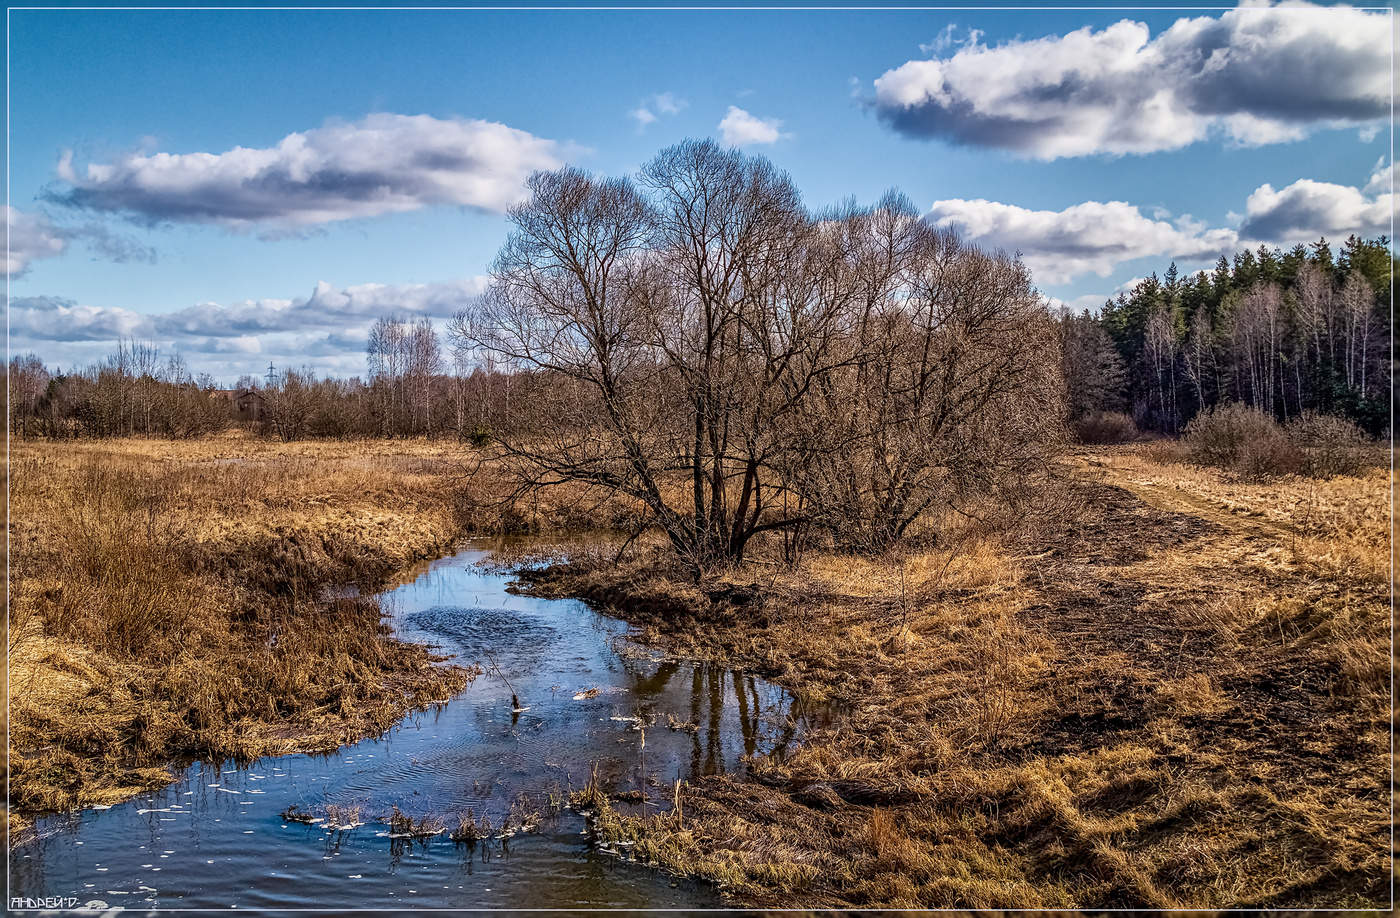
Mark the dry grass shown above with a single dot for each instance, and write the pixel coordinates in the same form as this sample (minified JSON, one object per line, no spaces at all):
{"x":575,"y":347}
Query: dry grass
{"x":1177,"y":697}
{"x":169,"y":600}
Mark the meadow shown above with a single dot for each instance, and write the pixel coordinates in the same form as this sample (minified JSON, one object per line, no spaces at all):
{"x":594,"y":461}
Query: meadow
{"x":1171,"y":691}
{"x":1163,"y":686}
{"x":209,"y":598}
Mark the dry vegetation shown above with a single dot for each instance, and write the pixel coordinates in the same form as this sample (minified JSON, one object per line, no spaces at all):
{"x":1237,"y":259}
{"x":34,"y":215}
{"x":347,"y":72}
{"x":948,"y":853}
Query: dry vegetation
{"x":1175,"y":696}
{"x":171,"y":599}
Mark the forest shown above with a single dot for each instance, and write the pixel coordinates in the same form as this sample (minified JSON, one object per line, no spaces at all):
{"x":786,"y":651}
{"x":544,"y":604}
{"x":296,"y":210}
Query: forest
{"x":1285,"y":332}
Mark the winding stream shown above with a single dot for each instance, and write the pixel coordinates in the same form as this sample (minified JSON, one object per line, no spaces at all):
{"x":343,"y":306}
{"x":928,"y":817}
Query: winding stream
{"x":215,"y":837}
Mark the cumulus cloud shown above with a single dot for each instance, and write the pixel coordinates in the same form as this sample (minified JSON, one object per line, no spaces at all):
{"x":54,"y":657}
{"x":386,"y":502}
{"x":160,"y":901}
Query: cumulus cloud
{"x":29,"y":237}
{"x":384,"y":163}
{"x":1255,"y":75}
{"x":1091,"y":237}
{"x":1306,"y":209}
{"x":738,"y":128}
{"x":1382,"y":178}
{"x":32,"y":236}
{"x":654,"y":107}
{"x":1097,"y":237}
{"x":51,"y":318}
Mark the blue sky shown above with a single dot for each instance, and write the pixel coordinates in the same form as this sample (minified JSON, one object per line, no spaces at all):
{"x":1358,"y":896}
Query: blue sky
{"x":1023,"y":133}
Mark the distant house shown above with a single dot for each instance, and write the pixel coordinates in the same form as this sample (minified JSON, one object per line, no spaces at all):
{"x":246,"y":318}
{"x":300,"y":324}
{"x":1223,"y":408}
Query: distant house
{"x":246,"y":404}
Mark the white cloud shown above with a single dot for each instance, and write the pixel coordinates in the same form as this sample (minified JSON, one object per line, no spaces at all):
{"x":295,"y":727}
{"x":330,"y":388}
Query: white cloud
{"x":1307,"y":209}
{"x":326,"y":307}
{"x":738,"y":128}
{"x":1255,"y":75}
{"x":948,"y":38}
{"x":1088,"y":238}
{"x":1382,"y":178}
{"x":1098,"y":237}
{"x":655,"y":106}
{"x":326,"y":330}
{"x":668,"y":103}
{"x":33,"y":236}
{"x":29,"y":237}
{"x":384,"y":163}
{"x":48,"y":318}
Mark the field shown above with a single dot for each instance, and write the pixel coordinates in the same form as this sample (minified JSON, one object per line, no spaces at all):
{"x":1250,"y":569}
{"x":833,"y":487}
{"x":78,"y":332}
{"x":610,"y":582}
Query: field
{"x":169,"y":599}
{"x":1175,"y":695}
{"x":1165,"y":688}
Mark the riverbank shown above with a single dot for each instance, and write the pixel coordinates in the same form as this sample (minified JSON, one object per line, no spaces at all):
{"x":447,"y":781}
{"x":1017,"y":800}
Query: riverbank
{"x":1175,"y":696}
{"x":172,"y":600}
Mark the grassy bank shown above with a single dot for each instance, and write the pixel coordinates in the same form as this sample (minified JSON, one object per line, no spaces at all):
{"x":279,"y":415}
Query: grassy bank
{"x":169,"y":599}
{"x":1176,"y":695}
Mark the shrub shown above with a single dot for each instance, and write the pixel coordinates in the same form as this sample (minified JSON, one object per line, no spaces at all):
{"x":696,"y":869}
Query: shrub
{"x":1105,"y":427}
{"x":1330,"y":445}
{"x":1243,"y":440}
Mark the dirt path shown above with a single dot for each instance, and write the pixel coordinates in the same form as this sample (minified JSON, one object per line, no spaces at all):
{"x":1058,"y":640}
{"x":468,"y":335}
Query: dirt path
{"x":1177,"y":500}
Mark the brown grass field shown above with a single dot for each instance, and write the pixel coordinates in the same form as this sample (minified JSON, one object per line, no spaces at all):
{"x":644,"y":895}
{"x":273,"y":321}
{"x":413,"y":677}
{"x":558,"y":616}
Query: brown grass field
{"x":1167,"y":688}
{"x":168,"y":600}
{"x":1172,"y":692}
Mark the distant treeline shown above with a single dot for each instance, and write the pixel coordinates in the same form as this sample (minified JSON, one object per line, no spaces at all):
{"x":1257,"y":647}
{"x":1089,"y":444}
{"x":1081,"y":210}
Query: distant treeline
{"x":1285,"y":332}
{"x":410,"y":392}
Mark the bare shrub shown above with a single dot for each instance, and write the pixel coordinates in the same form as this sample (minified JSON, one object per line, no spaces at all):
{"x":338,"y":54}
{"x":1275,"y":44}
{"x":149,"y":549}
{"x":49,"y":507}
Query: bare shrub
{"x":1242,"y":440}
{"x":1166,"y":452}
{"x":1105,"y":427}
{"x":1330,"y":445}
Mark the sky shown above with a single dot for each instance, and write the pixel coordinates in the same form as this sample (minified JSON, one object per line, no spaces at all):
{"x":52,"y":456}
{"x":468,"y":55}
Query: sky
{"x":255,"y":187}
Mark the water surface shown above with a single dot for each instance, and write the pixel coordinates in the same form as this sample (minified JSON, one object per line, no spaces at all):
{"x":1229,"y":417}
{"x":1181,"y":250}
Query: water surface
{"x":215,"y":839}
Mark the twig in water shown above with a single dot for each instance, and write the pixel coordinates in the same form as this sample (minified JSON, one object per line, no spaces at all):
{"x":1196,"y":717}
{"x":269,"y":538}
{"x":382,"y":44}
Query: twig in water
{"x":514,"y":701}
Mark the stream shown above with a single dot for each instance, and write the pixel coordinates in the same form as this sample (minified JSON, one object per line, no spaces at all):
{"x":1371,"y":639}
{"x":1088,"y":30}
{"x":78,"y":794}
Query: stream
{"x":591,"y":702}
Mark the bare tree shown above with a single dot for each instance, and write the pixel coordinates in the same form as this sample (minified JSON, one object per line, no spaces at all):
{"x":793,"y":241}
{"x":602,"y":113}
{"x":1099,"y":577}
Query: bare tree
{"x":27,"y":383}
{"x":1357,"y":302}
{"x":958,"y":388}
{"x":699,"y":341}
{"x":1198,"y":353}
{"x":687,"y":332}
{"x":1255,"y":332}
{"x":1160,"y":352}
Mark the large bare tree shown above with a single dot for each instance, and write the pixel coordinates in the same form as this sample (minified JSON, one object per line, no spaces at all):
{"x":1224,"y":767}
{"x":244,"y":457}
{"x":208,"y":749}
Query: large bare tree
{"x":698,"y":340}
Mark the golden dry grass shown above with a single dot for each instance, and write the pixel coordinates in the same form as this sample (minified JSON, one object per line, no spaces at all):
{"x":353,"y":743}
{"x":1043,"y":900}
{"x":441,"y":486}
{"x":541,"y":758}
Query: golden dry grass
{"x":1177,"y":696}
{"x":168,"y":600}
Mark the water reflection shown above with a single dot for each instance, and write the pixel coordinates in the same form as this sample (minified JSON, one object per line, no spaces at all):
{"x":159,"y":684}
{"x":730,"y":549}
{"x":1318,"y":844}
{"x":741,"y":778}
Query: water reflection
{"x":590,"y":703}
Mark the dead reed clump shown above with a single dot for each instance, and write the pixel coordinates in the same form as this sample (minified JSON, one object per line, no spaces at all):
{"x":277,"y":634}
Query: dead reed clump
{"x":425,"y":825}
{"x":470,"y":829}
{"x":343,"y":816}
{"x":297,"y":813}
